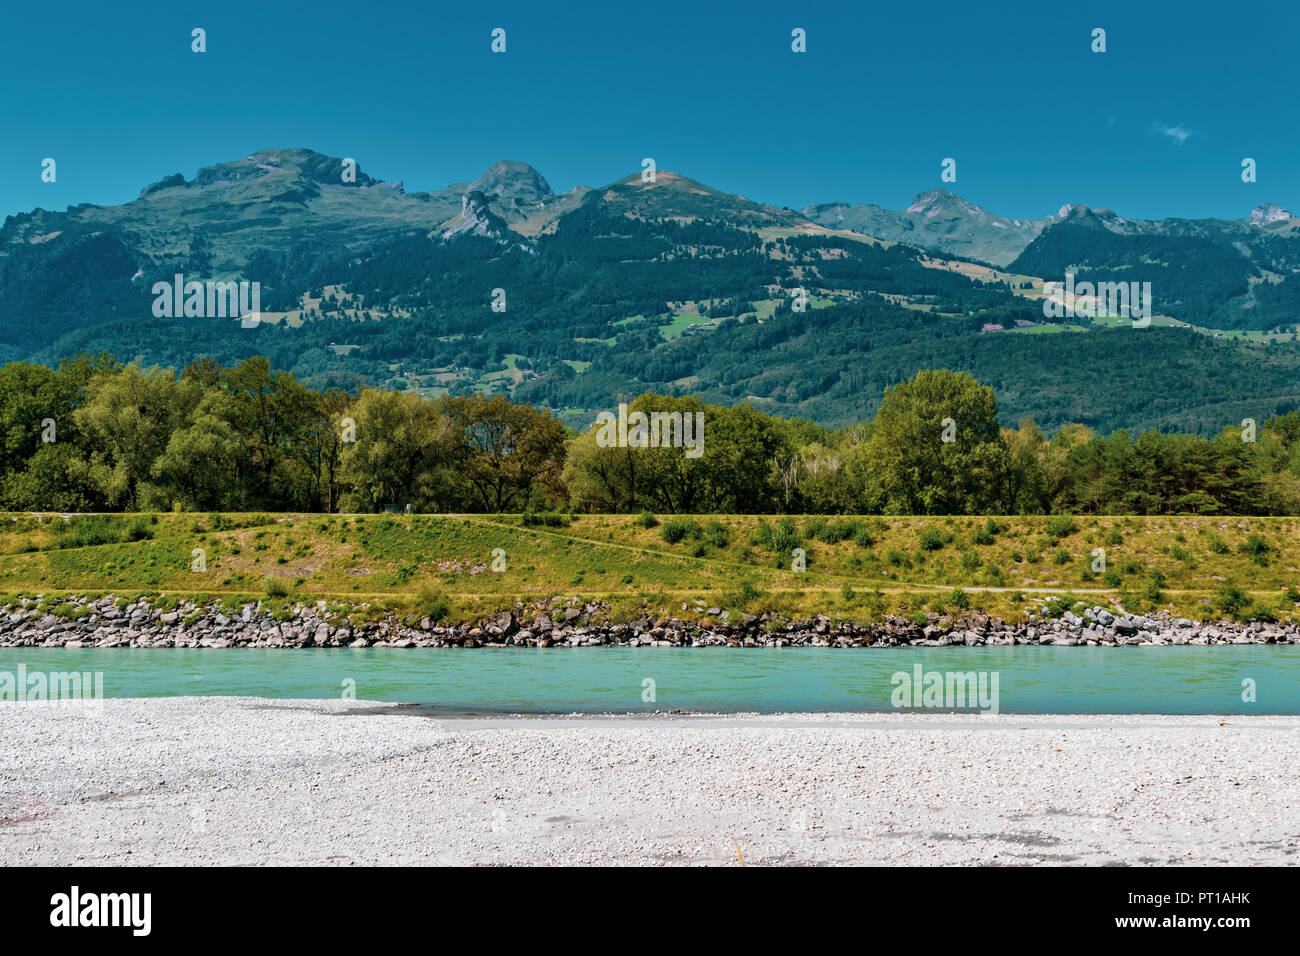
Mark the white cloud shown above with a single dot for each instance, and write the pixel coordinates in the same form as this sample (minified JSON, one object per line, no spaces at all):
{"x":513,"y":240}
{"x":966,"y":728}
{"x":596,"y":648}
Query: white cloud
{"x":1177,"y":133}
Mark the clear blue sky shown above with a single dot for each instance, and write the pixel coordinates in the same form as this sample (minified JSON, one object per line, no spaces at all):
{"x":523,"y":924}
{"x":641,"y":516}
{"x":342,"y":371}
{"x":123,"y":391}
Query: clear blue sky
{"x":1156,"y":126}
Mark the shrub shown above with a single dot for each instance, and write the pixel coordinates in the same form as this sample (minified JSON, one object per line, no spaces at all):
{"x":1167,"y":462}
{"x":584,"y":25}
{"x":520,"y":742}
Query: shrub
{"x":746,"y":593}
{"x":717,"y":534}
{"x":1260,"y":611}
{"x":84,"y":531}
{"x":275,"y":588}
{"x":863,"y":537}
{"x":546,"y":519}
{"x":1061,"y":526}
{"x":781,"y":539}
{"x":931,"y":539}
{"x":646,"y":519}
{"x":679,"y":528}
{"x":898,"y":559}
{"x":958,"y":598}
{"x":1257,"y":546}
{"x":1056,"y":605}
{"x":432,"y":603}
{"x":1230,"y":599}
{"x":836,"y":531}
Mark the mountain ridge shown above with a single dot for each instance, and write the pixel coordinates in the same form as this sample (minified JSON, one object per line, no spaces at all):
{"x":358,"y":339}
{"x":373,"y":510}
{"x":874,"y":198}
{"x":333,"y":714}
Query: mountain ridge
{"x":651,"y":282}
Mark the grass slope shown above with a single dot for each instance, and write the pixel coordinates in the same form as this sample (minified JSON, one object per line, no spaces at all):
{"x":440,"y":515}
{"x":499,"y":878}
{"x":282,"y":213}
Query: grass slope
{"x":856,"y":568}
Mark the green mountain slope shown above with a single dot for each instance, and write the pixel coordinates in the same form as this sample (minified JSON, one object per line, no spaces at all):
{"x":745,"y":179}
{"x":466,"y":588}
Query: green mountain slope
{"x":498,"y":284}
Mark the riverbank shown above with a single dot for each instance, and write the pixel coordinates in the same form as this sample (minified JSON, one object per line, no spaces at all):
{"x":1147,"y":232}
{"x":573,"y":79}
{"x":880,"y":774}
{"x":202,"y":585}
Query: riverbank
{"x":250,"y":781}
{"x":567,"y":622}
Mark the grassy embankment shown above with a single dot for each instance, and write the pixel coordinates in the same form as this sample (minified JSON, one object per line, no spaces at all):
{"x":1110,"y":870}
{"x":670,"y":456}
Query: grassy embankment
{"x":857,"y":568}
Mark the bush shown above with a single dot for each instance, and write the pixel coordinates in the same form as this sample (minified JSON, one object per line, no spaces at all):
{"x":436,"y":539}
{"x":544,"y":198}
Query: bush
{"x":1056,"y":605}
{"x":546,"y":519}
{"x":86,"y":531}
{"x":931,"y":539}
{"x":1230,"y":599}
{"x":679,"y":528}
{"x":646,"y":520}
{"x":743,"y":596}
{"x":1260,"y":611}
{"x":275,"y":588}
{"x":1061,"y":526}
{"x":432,"y":603}
{"x":835,"y":531}
{"x":1257,"y":546}
{"x":717,"y":534}
{"x":863,"y":537}
{"x":958,"y":598}
{"x":781,"y":539}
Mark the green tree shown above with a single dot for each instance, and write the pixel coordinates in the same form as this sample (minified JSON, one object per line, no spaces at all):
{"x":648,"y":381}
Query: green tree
{"x":935,"y":448}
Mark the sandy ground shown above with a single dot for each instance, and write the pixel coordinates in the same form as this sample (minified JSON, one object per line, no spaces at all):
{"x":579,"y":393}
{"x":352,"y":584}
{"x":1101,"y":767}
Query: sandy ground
{"x":245,"y":781}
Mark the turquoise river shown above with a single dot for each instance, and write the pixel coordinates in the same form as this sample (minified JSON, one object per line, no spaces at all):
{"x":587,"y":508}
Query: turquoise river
{"x":1030,"y":680}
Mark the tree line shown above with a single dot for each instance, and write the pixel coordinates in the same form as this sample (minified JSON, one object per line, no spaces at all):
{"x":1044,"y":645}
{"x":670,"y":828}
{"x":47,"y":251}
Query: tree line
{"x":99,"y":435}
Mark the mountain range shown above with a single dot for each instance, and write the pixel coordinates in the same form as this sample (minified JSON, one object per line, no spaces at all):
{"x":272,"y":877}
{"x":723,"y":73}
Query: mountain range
{"x":572,"y":300}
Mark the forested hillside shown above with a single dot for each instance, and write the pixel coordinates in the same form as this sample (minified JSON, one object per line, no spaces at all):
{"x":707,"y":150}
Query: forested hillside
{"x":499,"y":286}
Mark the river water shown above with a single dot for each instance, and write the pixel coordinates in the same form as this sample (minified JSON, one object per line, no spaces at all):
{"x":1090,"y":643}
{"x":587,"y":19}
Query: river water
{"x":1029,"y":680}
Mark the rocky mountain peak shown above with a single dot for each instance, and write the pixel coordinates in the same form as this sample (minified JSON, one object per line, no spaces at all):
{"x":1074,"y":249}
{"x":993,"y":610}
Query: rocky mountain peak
{"x":1267,"y":212}
{"x":306,"y":165}
{"x":509,"y":179}
{"x":935,"y":201}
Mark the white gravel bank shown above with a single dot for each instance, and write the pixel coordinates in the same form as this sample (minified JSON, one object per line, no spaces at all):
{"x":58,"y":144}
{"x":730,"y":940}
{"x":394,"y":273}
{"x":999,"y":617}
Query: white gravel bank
{"x":245,"y":781}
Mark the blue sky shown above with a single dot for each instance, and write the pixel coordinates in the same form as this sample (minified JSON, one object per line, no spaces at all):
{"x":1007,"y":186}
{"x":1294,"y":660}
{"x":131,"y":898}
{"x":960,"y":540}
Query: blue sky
{"x":1156,"y":126}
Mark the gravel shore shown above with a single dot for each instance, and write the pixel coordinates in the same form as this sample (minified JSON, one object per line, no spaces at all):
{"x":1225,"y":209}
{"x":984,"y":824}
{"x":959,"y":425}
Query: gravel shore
{"x":248,"y":781}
